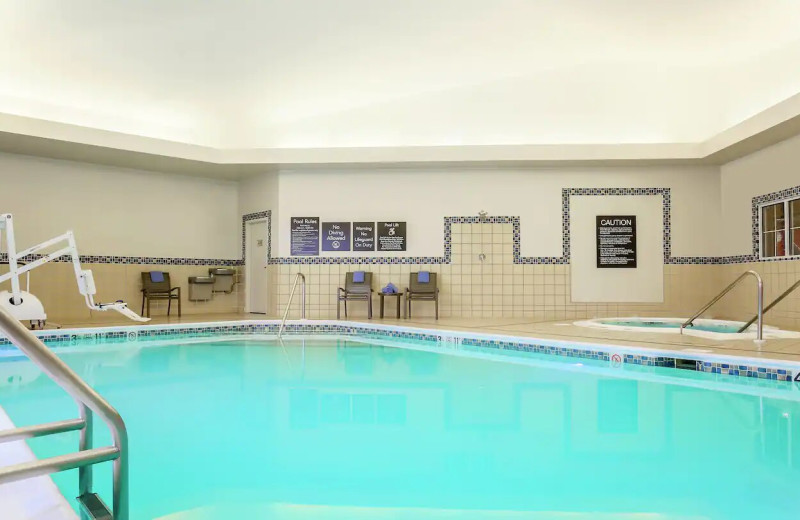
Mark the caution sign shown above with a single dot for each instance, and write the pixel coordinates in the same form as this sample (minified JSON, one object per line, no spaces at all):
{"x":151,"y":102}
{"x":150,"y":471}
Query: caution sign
{"x":616,"y":241}
{"x":391,"y":236}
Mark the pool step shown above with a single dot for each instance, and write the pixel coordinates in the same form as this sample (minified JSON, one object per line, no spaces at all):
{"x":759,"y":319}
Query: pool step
{"x":94,"y":508}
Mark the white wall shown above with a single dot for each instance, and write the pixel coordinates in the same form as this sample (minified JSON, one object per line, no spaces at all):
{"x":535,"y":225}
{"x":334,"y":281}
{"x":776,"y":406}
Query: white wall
{"x":258,"y":192}
{"x":771,"y":169}
{"x":423,"y":196}
{"x":645,"y":283}
{"x":120,"y":212}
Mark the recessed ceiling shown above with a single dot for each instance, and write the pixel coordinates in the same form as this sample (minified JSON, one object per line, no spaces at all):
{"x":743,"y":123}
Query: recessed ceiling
{"x":355,"y":73}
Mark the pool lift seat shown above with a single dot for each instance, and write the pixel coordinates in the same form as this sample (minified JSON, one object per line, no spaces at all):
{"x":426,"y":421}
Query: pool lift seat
{"x":25,"y":306}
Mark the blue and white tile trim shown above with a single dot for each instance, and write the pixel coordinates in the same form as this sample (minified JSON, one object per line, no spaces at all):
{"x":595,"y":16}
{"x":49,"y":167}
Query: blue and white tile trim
{"x":446,"y":257}
{"x":614,"y":356}
{"x":260,"y":215}
{"x":144,"y":260}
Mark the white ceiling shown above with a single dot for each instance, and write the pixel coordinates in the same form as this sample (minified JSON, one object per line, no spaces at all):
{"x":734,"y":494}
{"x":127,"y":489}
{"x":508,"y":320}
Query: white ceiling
{"x":322,"y":73}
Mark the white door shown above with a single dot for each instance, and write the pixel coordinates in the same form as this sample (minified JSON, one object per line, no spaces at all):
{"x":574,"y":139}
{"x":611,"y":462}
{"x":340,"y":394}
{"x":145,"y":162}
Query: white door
{"x":256,"y":263}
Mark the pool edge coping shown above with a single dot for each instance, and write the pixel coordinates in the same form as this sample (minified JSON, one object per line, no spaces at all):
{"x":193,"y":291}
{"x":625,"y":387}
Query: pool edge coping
{"x":643,"y":355}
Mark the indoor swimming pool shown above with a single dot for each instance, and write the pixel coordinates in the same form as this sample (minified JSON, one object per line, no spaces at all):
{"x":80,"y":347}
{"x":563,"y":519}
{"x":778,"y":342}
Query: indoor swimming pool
{"x":345,"y":427}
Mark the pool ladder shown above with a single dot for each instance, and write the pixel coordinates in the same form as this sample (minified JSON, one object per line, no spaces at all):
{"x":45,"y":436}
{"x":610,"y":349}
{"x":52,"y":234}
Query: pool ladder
{"x":760,"y":304}
{"x":299,"y":277}
{"x":89,"y":402}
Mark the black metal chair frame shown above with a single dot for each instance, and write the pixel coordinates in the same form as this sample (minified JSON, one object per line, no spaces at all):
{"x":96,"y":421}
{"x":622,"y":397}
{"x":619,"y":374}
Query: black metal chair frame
{"x":355,"y":291}
{"x":422,"y":291}
{"x":159,"y":291}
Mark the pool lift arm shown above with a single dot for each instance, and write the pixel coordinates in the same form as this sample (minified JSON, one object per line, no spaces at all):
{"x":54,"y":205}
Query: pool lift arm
{"x":23,"y":305}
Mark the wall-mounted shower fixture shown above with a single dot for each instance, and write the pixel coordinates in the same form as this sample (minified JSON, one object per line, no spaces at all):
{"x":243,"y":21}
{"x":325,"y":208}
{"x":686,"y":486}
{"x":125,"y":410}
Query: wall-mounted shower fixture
{"x":482,"y":217}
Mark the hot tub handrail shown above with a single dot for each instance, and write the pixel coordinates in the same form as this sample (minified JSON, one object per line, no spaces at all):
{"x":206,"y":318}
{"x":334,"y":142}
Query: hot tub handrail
{"x":760,"y":303}
{"x":777,"y":300}
{"x":89,"y":402}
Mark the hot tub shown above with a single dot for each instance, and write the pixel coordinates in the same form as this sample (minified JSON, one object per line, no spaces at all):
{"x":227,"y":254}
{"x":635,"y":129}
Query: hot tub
{"x":711,"y":329}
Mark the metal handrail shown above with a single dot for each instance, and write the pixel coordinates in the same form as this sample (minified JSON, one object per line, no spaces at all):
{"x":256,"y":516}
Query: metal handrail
{"x":88,"y":401}
{"x":777,"y":300}
{"x":759,"y":315}
{"x":297,"y":278}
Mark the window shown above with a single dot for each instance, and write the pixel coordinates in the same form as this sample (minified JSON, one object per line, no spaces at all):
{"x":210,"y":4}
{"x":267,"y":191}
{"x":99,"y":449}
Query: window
{"x":780,"y":229}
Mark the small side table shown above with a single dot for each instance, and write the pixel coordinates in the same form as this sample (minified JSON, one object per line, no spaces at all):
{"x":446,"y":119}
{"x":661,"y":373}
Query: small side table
{"x":399,"y":297}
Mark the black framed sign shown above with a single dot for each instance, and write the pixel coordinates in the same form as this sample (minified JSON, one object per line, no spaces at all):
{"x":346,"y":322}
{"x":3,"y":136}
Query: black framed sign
{"x":336,"y":236}
{"x":305,"y":236}
{"x":391,"y":236}
{"x":363,"y":236}
{"x":616,"y":241}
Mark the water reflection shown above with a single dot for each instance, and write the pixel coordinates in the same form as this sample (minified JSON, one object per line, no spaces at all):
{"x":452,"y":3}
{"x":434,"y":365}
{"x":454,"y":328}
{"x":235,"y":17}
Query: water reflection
{"x":348,"y":424}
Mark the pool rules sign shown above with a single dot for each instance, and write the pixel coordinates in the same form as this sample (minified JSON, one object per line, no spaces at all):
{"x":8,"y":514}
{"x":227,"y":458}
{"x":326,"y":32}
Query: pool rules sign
{"x":616,"y":241}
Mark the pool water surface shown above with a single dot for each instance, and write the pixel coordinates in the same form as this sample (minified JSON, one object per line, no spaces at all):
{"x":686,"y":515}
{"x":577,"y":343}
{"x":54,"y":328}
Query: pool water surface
{"x":359,"y":430}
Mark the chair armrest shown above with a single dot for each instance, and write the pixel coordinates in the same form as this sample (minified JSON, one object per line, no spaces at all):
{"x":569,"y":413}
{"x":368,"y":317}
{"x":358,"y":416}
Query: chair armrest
{"x":175,"y":288}
{"x":341,"y":290}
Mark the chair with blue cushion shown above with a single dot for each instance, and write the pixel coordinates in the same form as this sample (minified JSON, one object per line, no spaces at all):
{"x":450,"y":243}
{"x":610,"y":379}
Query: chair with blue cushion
{"x":358,"y":287}
{"x":422,"y":286}
{"x":156,"y":286}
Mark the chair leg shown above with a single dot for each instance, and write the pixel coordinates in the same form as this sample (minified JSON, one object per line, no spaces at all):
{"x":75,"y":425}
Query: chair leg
{"x":148,"y":307}
{"x":179,"y":304}
{"x":436,"y":302}
{"x":345,"y":309}
{"x":409,"y":306}
{"x":144,"y":295}
{"x":338,"y":309}
{"x":169,"y":305}
{"x":369,"y":308}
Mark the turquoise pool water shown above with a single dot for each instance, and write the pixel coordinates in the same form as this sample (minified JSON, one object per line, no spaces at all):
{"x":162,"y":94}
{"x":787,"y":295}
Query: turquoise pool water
{"x":651,"y":324}
{"x":342,"y":429}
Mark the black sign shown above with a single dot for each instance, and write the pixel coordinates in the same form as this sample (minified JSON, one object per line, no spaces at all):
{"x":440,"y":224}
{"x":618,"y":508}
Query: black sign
{"x":616,"y":241}
{"x":391,"y":236}
{"x":363,"y":236}
{"x":336,"y":236}
{"x":305,"y":236}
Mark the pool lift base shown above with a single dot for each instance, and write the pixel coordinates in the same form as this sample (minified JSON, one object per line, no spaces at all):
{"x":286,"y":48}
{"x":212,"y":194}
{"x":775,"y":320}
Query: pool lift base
{"x":25,"y":306}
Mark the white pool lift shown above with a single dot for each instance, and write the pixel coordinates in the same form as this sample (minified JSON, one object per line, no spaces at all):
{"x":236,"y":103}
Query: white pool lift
{"x":23,"y":305}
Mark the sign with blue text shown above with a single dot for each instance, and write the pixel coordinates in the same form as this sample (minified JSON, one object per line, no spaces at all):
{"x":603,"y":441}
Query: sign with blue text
{"x":616,"y":241}
{"x":363,"y":236}
{"x":391,"y":236}
{"x":336,"y":236}
{"x":305,"y":236}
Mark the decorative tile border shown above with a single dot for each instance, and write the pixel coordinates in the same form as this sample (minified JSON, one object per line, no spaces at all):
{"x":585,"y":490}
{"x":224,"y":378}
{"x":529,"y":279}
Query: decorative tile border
{"x":600,"y":353}
{"x":732,"y":369}
{"x":446,"y":258}
{"x":128,"y":260}
{"x":266,"y":214}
